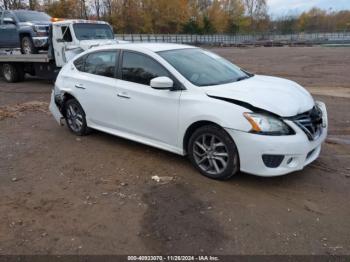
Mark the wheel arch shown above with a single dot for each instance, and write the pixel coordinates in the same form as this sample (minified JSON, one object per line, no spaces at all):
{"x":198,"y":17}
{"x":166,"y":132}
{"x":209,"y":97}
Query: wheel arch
{"x":192,"y":128}
{"x":65,"y":97}
{"x":24,"y":34}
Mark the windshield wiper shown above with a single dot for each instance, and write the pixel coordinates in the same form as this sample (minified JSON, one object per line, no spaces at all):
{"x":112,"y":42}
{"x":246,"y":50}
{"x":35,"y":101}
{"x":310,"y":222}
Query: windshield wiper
{"x":242,"y":78}
{"x":248,"y":73}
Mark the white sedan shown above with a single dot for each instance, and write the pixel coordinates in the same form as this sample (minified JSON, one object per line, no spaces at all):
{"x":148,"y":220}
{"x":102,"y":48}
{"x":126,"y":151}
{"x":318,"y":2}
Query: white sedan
{"x":192,"y":102}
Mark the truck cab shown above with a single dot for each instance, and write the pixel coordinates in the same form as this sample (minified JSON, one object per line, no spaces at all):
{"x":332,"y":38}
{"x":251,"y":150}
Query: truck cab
{"x":71,"y":37}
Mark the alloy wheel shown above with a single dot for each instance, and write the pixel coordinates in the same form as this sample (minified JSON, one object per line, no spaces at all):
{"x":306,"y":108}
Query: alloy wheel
{"x":210,"y":154}
{"x":74,"y":118}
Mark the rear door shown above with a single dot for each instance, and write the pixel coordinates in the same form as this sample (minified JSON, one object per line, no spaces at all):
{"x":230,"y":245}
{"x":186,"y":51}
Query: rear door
{"x":95,"y":87}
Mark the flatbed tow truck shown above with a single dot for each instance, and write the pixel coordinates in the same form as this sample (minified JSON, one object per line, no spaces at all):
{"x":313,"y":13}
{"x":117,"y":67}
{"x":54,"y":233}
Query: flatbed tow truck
{"x":67,"y":38}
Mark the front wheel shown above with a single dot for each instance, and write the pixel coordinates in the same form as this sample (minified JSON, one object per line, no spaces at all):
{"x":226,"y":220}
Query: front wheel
{"x":27,"y":46}
{"x":75,"y":118}
{"x":213,"y":152}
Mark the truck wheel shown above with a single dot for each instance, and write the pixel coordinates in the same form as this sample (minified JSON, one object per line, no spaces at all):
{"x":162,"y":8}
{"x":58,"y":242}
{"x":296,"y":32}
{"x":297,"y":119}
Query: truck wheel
{"x":12,"y":73}
{"x":27,"y":46}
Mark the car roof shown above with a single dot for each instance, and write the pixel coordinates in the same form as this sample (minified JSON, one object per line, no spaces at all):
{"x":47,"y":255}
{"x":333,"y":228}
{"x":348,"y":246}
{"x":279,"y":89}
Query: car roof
{"x":154,"y":47}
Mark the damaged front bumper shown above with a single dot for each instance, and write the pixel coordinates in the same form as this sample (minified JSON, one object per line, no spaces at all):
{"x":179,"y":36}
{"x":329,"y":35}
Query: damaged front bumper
{"x":55,"y":110}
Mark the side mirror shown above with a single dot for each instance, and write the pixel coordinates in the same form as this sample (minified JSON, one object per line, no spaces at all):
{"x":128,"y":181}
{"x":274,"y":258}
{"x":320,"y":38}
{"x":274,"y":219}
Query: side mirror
{"x":9,"y":20}
{"x":162,"y":82}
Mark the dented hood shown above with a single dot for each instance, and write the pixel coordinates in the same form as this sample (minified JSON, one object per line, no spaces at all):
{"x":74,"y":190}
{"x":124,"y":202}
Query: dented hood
{"x":276,"y":95}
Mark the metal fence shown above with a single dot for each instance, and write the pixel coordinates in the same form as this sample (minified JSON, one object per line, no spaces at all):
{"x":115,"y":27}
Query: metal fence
{"x":248,"y":39}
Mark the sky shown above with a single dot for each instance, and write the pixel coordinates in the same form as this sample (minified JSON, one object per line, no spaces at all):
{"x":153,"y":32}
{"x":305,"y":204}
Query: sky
{"x":292,"y":7}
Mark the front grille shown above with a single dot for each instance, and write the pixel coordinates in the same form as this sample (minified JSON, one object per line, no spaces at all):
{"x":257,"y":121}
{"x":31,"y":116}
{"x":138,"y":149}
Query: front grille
{"x":310,"y":122}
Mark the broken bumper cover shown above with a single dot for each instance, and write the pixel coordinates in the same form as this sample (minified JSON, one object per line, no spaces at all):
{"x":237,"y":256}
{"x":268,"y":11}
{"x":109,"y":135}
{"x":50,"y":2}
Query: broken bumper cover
{"x":297,"y":152}
{"x":292,"y":153}
{"x":55,"y":110}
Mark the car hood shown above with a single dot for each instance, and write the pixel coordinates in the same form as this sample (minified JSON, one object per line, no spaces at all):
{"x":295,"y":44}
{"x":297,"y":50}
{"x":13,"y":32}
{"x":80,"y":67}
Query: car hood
{"x":43,"y":23}
{"x":87,"y":44}
{"x":276,"y":95}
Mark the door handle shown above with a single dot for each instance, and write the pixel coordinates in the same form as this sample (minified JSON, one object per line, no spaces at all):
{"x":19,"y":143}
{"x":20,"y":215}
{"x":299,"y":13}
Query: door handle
{"x":80,"y":86}
{"x":123,"y":95}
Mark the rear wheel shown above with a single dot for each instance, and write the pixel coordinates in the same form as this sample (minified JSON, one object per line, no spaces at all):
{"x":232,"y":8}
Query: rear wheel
{"x":12,"y":73}
{"x":213,"y":152}
{"x":75,"y":118}
{"x":27,"y":46}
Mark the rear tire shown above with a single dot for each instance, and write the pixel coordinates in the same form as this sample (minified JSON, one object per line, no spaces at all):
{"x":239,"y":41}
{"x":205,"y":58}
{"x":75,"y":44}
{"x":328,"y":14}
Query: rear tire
{"x":27,"y":46}
{"x":75,"y":118}
{"x":213,"y":152}
{"x":12,"y":73}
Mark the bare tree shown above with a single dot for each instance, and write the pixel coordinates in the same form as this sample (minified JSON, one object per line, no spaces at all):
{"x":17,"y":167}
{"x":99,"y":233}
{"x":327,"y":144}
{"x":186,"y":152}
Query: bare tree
{"x":33,"y":4}
{"x":256,"y":10}
{"x":13,"y":4}
{"x":97,"y":4}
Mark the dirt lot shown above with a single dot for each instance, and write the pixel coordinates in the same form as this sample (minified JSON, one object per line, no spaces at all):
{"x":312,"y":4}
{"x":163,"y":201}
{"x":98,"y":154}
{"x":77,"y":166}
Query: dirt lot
{"x":60,"y":194}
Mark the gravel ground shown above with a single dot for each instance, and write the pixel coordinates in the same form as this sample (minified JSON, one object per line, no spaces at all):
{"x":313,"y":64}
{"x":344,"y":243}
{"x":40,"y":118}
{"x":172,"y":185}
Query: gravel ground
{"x":60,"y":194}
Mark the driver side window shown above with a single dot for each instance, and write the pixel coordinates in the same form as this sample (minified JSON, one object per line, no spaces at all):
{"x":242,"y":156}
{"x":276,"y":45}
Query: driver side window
{"x":140,"y":69}
{"x":66,"y":35}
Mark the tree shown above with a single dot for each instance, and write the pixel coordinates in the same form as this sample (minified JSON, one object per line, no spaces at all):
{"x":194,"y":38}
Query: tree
{"x":33,"y":4}
{"x":208,"y":27}
{"x":235,"y":15}
{"x":13,"y":4}
{"x":191,"y":27}
{"x":257,"y":13}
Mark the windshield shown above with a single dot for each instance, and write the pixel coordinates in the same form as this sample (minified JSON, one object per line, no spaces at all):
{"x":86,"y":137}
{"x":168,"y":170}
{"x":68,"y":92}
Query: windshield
{"x":93,"y":31}
{"x":203,"y":68}
{"x":29,"y":16}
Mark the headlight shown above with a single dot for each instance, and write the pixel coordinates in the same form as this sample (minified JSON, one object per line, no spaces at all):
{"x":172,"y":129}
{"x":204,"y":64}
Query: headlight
{"x":39,"y":29}
{"x":267,"y":125}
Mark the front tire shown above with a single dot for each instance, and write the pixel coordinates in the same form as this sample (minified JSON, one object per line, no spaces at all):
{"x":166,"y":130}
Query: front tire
{"x":27,"y":46}
{"x":75,"y":118}
{"x":213,"y":152}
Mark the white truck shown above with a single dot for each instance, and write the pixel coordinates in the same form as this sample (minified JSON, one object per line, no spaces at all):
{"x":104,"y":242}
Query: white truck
{"x":67,"y":38}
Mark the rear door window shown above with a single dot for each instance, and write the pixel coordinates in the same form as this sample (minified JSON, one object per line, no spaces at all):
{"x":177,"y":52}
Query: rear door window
{"x":80,"y":63}
{"x":101,"y":63}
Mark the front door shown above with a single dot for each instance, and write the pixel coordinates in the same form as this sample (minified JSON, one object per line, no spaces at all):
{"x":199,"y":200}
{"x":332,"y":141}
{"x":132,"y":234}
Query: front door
{"x":144,"y":111}
{"x":62,"y":37}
